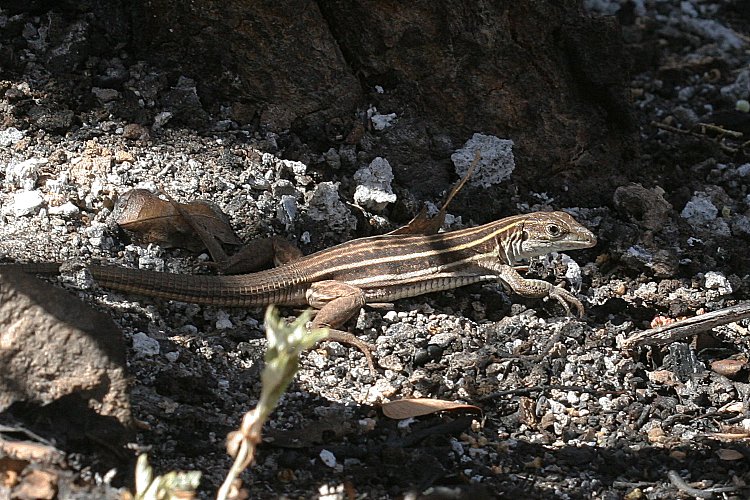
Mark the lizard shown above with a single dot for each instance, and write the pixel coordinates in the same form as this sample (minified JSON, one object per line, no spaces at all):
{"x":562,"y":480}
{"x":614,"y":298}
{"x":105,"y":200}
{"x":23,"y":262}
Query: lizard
{"x":340,"y":280}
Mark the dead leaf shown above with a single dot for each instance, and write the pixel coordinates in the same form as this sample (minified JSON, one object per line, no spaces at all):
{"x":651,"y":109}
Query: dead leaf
{"x":154,"y":220}
{"x":727,"y":454}
{"x":733,"y":407}
{"x":728,"y":367}
{"x":407,"y":408}
{"x":527,"y":411}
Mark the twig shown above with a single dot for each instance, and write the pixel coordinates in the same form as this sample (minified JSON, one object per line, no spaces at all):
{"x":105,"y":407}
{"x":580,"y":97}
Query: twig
{"x":702,"y":129}
{"x":681,"y":485}
{"x":687,"y":327}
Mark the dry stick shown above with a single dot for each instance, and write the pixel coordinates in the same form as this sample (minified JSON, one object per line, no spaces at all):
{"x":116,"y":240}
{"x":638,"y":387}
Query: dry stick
{"x":687,"y":327}
{"x":680,"y":484}
{"x":703,"y":128}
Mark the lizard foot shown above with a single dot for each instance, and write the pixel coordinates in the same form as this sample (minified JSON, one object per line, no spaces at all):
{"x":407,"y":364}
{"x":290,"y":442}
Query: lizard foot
{"x":565,"y":298}
{"x":351,"y":339}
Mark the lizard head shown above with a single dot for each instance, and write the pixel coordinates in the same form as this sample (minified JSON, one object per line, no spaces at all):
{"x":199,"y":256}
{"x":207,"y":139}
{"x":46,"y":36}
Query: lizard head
{"x":545,"y":232}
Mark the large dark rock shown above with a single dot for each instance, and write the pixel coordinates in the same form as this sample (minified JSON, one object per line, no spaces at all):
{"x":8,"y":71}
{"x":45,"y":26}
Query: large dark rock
{"x":61,"y":362}
{"x":538,"y":72}
{"x":287,"y":62}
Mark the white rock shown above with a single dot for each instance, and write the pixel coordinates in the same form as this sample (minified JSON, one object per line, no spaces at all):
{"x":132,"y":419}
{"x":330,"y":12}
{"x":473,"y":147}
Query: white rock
{"x":324,"y":204}
{"x":380,"y":122}
{"x":699,"y":209}
{"x":24,"y":174}
{"x":374,"y":189}
{"x":10,"y":136}
{"x":718,"y":282}
{"x":496,"y":161}
{"x":328,"y":458}
{"x":287,"y":210}
{"x":26,"y":203}
{"x":161,"y":119}
{"x":144,"y":346}
{"x":67,"y":209}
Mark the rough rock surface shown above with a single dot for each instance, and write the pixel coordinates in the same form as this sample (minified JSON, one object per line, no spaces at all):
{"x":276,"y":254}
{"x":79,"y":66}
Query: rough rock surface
{"x":53,"y":347}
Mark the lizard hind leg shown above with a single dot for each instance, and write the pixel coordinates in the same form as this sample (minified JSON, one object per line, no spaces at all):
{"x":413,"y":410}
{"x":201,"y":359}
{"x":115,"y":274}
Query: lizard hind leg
{"x":337,"y":303}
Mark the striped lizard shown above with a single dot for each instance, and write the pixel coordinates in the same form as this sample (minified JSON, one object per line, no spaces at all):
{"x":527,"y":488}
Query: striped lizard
{"x":340,"y":280}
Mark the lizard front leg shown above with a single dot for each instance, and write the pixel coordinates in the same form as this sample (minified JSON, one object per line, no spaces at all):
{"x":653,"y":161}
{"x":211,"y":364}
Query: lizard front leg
{"x":537,"y":289}
{"x":338,"y":302}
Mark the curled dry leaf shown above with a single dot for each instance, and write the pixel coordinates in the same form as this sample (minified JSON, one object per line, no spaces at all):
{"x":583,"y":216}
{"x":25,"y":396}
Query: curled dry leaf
{"x":728,"y":367}
{"x":733,"y":407}
{"x":154,"y":220}
{"x":407,"y":408}
{"x":727,"y":454}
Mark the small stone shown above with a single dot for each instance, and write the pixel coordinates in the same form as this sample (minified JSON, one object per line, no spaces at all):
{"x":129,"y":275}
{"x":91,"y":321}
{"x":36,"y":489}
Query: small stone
{"x":324,"y":204}
{"x":10,"y":136}
{"x":105,"y":95}
{"x":718,"y":282}
{"x":381,"y":122}
{"x":26,"y":203}
{"x":172,"y":356}
{"x":374,"y":189}
{"x":443,"y":339}
{"x":144,"y":346}
{"x":700,"y":209}
{"x":67,"y":209}
{"x":24,"y":174}
{"x":123,"y":156}
{"x":496,"y":161}
{"x":135,"y":132}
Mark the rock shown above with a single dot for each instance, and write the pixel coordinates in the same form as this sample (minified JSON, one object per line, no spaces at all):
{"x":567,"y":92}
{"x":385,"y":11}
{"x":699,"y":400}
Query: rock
{"x":55,"y":349}
{"x":52,"y":120}
{"x":67,"y":209}
{"x":699,"y":210}
{"x":374,"y":185}
{"x":26,"y":203}
{"x":24,"y":174}
{"x":10,"y":136}
{"x":144,"y":346}
{"x":496,"y":161}
{"x":380,"y":122}
{"x":325,"y":205}
{"x":105,"y":95}
{"x":646,"y":207}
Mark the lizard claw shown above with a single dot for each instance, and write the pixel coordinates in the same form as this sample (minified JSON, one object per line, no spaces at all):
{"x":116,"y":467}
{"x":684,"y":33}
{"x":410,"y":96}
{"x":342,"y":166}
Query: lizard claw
{"x":348,"y":338}
{"x":565,"y":298}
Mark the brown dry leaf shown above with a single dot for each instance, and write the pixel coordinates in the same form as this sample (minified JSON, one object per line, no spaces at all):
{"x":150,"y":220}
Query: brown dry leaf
{"x":733,"y":407}
{"x":728,"y":367}
{"x":407,"y":408}
{"x":727,"y":454}
{"x":527,"y":411}
{"x":155,"y":220}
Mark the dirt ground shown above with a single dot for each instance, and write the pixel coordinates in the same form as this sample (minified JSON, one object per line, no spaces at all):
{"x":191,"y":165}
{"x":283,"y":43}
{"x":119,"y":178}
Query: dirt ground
{"x":567,"y":412}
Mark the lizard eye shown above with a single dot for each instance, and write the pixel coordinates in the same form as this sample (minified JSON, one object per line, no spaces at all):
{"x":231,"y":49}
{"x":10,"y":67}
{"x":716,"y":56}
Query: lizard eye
{"x":554,"y":230}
